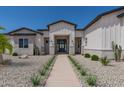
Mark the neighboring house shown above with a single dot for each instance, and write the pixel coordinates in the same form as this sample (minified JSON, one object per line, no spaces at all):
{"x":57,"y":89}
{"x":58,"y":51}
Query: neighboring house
{"x":105,"y":28}
{"x":63,"y":36}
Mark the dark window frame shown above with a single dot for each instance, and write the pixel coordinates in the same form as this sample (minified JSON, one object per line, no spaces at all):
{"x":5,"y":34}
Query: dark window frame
{"x":23,"y":43}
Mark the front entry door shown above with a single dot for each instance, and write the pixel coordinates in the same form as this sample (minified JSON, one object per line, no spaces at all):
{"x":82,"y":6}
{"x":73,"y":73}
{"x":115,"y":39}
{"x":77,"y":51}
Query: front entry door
{"x":61,"y":45}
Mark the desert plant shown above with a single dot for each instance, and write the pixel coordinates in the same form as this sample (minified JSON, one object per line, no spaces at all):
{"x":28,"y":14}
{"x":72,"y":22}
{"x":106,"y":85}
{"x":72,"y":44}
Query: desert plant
{"x":91,"y":80}
{"x":36,"y":50}
{"x":94,"y":58}
{"x":83,"y":72}
{"x":43,"y":72}
{"x":4,"y":44}
{"x":117,"y":50}
{"x":73,"y":61}
{"x":104,"y":61}
{"x":78,"y":66}
{"x":46,"y":66}
{"x":87,"y":55}
{"x":35,"y":79}
{"x":15,"y":54}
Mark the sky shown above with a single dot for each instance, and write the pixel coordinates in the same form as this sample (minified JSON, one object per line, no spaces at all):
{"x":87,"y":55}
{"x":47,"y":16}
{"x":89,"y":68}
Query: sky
{"x":38,"y":17}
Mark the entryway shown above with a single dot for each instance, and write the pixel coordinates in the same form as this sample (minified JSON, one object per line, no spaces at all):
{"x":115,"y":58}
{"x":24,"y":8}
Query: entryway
{"x":61,"y":44}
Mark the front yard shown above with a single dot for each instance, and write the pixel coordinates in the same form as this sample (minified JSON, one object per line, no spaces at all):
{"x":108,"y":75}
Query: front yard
{"x":18,"y":73}
{"x":107,"y":76}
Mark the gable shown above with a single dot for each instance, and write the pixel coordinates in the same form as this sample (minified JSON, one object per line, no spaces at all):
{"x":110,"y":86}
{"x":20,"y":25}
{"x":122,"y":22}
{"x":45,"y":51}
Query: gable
{"x":23,"y":31}
{"x":61,"y":21}
{"x":61,"y":26}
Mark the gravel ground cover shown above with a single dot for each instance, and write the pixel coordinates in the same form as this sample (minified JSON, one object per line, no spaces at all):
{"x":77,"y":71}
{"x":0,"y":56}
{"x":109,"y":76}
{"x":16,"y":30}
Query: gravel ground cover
{"x":107,"y":76}
{"x":18,"y":73}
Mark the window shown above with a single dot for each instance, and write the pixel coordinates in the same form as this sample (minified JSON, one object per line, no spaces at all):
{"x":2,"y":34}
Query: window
{"x":20,"y":43}
{"x":85,"y":41}
{"x":46,"y":41}
{"x":23,"y":43}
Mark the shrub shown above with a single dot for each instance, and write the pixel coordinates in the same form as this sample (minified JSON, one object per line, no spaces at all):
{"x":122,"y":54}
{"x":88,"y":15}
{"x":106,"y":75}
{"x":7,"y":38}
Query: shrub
{"x":91,"y":80}
{"x":72,"y":60}
{"x":35,"y":79}
{"x":83,"y":72}
{"x":46,"y":66}
{"x":79,"y":66}
{"x":87,"y":55}
{"x":104,"y":61}
{"x":43,"y":72}
{"x":94,"y":58}
{"x":15,"y":54}
{"x":49,"y":63}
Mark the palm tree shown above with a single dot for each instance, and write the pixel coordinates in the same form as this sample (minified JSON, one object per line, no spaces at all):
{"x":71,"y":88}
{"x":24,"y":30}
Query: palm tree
{"x":4,"y":44}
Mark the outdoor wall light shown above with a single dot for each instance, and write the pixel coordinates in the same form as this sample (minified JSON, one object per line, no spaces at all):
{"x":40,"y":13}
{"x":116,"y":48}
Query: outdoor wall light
{"x":39,"y":39}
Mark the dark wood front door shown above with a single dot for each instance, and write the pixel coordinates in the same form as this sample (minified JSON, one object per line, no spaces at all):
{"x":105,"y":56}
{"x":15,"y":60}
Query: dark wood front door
{"x":61,"y":46}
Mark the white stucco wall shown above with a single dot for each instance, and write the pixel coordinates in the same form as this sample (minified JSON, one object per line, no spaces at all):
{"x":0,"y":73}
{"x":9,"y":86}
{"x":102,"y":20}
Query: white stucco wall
{"x":29,"y":50}
{"x":100,"y":35}
{"x":15,"y":40}
{"x":94,"y":36}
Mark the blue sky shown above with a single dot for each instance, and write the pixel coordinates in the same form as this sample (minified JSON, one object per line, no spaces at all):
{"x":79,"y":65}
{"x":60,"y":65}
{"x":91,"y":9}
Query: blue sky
{"x":36,"y":17}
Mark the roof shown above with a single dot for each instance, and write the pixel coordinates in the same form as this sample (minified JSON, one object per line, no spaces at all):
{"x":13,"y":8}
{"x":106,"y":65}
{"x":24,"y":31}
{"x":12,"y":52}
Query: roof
{"x":42,"y":30}
{"x":10,"y":33}
{"x":79,"y":29}
{"x":101,"y":15}
{"x":121,"y":15}
{"x":62,"y":21}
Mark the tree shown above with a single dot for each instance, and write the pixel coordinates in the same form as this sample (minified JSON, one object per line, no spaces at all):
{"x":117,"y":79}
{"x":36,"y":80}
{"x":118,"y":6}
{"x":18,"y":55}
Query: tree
{"x":4,"y":44}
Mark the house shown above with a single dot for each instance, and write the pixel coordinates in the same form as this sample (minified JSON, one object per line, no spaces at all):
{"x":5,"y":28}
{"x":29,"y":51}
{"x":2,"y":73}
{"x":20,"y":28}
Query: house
{"x":60,"y":37}
{"x":106,"y":28}
{"x":64,"y":37}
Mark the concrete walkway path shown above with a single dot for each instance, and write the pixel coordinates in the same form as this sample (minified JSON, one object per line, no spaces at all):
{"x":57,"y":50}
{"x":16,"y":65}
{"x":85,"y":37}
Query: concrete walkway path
{"x":62,"y":74}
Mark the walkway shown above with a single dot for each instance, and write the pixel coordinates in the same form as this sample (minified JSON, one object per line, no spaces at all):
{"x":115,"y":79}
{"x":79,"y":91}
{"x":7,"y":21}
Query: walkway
{"x":62,"y":74}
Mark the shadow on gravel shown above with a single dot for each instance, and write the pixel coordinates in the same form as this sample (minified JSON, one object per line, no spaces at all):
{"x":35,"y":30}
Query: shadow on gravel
{"x":20,"y":64}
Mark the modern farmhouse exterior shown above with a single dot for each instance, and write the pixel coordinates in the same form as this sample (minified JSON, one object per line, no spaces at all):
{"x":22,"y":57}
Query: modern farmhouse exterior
{"x":63,"y":36}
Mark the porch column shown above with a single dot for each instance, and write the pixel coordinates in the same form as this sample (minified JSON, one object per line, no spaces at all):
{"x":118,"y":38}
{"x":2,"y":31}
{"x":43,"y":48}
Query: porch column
{"x":82,"y":45}
{"x":71,"y":45}
{"x":51,"y":45}
{"x":82,"y":42}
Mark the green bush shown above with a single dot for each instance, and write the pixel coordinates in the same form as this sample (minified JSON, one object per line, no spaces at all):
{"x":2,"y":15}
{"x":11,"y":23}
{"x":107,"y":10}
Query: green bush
{"x":46,"y":66}
{"x":104,"y":61}
{"x":72,"y":60}
{"x":15,"y":54}
{"x":91,"y":80}
{"x":78,"y":66}
{"x":87,"y":55}
{"x":35,"y":79}
{"x":94,"y":58}
{"x":83,"y":72}
{"x":43,"y":72}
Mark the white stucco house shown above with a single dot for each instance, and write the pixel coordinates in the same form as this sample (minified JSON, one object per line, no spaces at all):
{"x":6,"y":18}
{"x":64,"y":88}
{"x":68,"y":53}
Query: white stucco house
{"x":64,"y":37}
